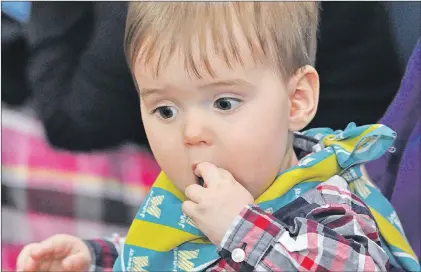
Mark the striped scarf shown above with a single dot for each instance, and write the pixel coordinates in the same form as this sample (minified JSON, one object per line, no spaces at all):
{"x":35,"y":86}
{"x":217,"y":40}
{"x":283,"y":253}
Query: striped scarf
{"x":162,"y":238}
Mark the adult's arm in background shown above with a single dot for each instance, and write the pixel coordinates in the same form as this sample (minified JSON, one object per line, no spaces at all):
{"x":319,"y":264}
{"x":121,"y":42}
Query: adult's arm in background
{"x":14,"y":56}
{"x":81,"y":84}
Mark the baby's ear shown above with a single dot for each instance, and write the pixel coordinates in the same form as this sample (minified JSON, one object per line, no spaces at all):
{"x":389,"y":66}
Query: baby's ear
{"x":303,"y":92}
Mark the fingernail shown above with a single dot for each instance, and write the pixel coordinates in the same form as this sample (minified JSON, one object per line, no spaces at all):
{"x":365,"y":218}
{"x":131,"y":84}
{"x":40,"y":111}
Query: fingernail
{"x":65,"y":263}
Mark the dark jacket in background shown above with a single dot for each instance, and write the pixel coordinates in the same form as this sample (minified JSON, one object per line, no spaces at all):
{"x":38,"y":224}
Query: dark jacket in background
{"x":81,"y":84}
{"x":357,"y":64}
{"x":14,"y":56}
{"x":86,"y":98}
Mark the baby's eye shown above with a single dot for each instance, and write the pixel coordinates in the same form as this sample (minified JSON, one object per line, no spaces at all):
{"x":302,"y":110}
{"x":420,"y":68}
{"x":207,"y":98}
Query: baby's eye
{"x":226,"y":103}
{"x":165,"y":112}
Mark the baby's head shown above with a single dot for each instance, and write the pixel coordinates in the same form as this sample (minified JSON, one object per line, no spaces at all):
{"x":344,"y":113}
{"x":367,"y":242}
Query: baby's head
{"x":225,"y":83}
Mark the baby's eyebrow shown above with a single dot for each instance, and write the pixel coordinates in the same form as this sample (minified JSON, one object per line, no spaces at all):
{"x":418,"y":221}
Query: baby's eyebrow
{"x":226,"y":83}
{"x":147,"y":92}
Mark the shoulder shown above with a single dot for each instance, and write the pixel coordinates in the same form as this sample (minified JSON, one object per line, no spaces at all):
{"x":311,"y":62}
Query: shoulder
{"x":332,"y":197}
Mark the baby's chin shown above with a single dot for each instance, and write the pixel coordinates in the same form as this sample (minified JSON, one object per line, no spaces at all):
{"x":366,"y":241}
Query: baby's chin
{"x":183,"y":183}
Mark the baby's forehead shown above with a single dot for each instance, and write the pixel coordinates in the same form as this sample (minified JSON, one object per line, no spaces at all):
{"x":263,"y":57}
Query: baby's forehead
{"x":197,"y":69}
{"x":175,"y":73}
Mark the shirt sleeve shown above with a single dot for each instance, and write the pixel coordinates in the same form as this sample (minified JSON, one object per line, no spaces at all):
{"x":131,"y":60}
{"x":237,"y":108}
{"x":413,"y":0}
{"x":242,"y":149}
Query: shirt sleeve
{"x":104,"y":252}
{"x":326,"y":229}
{"x":82,"y":87}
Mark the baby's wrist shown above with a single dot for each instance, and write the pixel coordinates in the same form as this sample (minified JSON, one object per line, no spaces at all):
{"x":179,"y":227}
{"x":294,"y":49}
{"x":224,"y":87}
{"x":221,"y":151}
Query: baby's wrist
{"x":92,"y":257}
{"x":233,"y":225}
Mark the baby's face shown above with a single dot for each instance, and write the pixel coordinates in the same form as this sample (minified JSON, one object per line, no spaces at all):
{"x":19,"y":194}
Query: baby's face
{"x":240,"y":120}
{"x":237,"y":121}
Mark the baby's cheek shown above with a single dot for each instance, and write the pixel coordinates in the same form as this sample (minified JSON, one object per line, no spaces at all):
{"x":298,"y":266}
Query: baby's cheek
{"x":249,"y":184}
{"x":259,"y":179}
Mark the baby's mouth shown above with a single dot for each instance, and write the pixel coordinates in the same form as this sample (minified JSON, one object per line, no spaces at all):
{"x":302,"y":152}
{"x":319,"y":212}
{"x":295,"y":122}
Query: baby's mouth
{"x":200,"y":181}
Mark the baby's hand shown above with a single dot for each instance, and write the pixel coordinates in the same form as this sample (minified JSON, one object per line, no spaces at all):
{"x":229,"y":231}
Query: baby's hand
{"x":60,"y":252}
{"x":215,"y":207}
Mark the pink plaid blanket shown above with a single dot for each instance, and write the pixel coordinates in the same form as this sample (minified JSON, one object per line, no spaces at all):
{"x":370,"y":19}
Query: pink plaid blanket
{"x":47,"y":191}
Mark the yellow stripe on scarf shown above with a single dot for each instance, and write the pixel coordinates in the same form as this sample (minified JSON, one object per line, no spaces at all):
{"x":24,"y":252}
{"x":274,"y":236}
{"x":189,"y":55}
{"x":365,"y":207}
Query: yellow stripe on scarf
{"x":164,"y":183}
{"x":318,"y":172}
{"x":348,"y":144}
{"x":160,"y":237}
{"x":391,"y":234}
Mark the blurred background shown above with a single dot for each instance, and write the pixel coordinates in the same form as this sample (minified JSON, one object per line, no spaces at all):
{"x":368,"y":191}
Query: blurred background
{"x":75,"y":158}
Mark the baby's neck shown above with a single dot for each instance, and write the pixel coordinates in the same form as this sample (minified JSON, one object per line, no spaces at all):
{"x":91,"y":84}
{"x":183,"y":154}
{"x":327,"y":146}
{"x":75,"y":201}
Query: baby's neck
{"x":290,"y":160}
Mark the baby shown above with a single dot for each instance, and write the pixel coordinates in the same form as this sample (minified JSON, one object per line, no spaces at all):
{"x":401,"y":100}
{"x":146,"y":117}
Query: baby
{"x":225,"y":89}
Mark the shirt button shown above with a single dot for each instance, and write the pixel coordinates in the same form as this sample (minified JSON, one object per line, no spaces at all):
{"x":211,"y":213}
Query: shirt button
{"x":238,"y":255}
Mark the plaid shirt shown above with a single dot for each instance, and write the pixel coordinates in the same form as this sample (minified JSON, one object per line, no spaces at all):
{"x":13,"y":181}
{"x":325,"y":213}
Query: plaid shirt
{"x":325,"y":229}
{"x":47,"y":191}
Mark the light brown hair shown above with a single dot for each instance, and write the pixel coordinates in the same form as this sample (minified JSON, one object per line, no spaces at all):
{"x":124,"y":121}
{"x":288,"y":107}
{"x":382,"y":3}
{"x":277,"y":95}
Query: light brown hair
{"x":281,"y":32}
